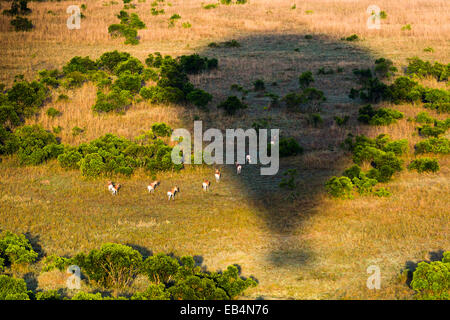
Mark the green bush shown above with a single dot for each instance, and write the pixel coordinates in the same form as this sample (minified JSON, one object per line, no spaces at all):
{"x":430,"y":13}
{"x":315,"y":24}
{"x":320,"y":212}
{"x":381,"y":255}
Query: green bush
{"x":8,"y":116}
{"x":18,"y":7}
{"x":424,"y":117}
{"x":424,"y":165}
{"x":127,"y":81}
{"x":231,"y":44}
{"x":315,"y":120}
{"x":364,"y":184}
{"x":80,"y":64}
{"x":381,"y":153}
{"x":428,"y":131}
{"x":289,"y":147}
{"x":48,"y":295}
{"x":21,"y":24}
{"x":131,"y":65}
{"x":8,"y":141}
{"x":259,"y":85}
{"x":123,"y":30}
{"x":325,"y":70}
{"x":382,"y":192}
{"x":157,"y":94}
{"x":74,"y":79}
{"x":231,"y":105}
{"x":13,"y":289}
{"x":431,"y":280}
{"x":194,"y":63}
{"x":150,"y":74}
{"x":341,"y":121}
{"x":340,"y":187}
{"x":35,"y":144}
{"x":52,"y":112}
{"x":199,"y":98}
{"x":398,"y":147}
{"x":384,"y":68}
{"x":112,"y":266}
{"x":352,"y":172}
{"x":15,"y":249}
{"x":115,"y":100}
{"x":110,"y":60}
{"x":87,"y":296}
{"x":230,"y":281}
{"x":382,"y":116}
{"x":69,"y":159}
{"x":433,"y":145}
{"x":161,"y":129}
{"x":49,"y":77}
{"x":197,"y":288}
{"x":353,"y":37}
{"x":305,"y":79}
{"x":92,"y":165}
{"x":27,"y":97}
{"x":292,"y":100}
{"x":153,"y":292}
{"x":405,"y":90}
{"x":423,"y":69}
{"x":160,"y":268}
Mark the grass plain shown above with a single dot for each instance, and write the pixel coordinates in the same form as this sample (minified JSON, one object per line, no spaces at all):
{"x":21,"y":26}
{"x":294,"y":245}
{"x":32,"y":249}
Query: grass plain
{"x":304,"y":247}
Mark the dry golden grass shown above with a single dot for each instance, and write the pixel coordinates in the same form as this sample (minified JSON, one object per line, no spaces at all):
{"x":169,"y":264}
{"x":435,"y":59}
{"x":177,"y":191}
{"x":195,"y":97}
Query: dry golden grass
{"x":310,"y":247}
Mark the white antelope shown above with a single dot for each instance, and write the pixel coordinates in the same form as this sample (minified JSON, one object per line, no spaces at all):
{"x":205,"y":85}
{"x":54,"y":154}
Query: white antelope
{"x":217,"y":175}
{"x":238,"y":168}
{"x":152,"y":186}
{"x":171,"y":193}
{"x":113,"y":188}
{"x":206,"y":185}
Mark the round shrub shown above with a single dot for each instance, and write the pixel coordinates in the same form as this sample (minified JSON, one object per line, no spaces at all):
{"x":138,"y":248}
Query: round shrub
{"x":70,"y":159}
{"x":153,"y":292}
{"x":160,"y":268}
{"x":92,"y":165}
{"x":131,"y":65}
{"x":21,"y":24}
{"x":13,"y":289}
{"x":161,"y":129}
{"x":110,"y":60}
{"x":424,"y":165}
{"x":8,"y":141}
{"x":52,"y":112}
{"x":431,"y":280}
{"x":199,"y":98}
{"x":231,"y":105}
{"x":15,"y":249}
{"x":112,"y":266}
{"x":32,"y":141}
{"x":80,"y":64}
{"x":305,"y":79}
{"x":289,"y":147}
{"x":339,"y":187}
{"x":128,"y":81}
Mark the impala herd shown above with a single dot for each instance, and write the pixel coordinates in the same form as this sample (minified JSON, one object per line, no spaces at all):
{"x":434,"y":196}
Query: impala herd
{"x":114,"y":187}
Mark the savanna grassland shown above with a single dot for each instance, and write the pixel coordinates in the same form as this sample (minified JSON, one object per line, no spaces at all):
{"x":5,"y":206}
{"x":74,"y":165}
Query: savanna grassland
{"x":302,"y":244}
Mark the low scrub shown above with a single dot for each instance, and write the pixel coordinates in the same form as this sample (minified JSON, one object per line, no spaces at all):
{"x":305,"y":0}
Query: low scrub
{"x":231,"y":105}
{"x":431,"y":280}
{"x":379,"y":117}
{"x":424,"y":165}
{"x":433,"y":145}
{"x":115,"y":266}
